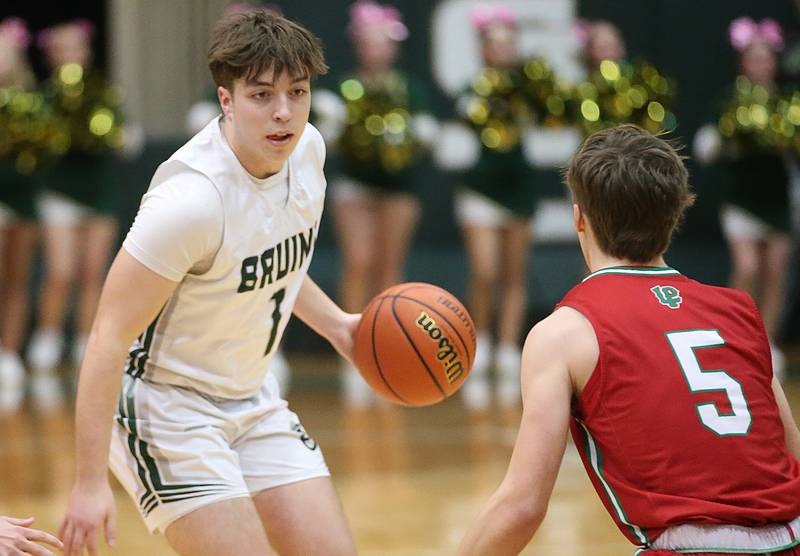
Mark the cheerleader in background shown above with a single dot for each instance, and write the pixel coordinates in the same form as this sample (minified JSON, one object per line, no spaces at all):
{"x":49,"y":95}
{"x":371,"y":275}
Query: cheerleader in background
{"x":378,"y":125}
{"x":618,"y":91}
{"x":19,"y":107}
{"x":602,"y":41}
{"x":76,"y":206}
{"x":495,"y":206}
{"x":755,"y":214}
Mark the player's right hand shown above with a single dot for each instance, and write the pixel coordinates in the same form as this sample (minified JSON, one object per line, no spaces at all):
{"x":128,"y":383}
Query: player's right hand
{"x":90,"y":508}
{"x":17,"y":537}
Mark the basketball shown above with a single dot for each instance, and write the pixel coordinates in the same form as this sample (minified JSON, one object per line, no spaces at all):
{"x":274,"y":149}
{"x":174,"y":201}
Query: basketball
{"x":415,"y":344}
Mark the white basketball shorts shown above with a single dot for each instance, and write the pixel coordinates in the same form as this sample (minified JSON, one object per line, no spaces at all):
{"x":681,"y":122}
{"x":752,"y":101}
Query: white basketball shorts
{"x":175,"y":450}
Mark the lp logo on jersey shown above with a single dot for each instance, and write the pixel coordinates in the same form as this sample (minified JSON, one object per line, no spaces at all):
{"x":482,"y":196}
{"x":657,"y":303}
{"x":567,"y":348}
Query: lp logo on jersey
{"x":668,"y":295}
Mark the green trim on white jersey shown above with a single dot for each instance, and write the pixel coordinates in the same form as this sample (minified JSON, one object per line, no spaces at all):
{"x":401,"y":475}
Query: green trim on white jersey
{"x":635,"y":271}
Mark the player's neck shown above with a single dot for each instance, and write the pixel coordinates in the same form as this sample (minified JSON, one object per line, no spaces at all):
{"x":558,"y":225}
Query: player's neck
{"x":257,"y":166}
{"x":597,"y":260}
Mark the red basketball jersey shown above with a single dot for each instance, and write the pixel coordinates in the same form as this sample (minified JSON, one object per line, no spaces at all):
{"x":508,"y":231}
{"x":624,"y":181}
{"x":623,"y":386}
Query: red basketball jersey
{"x":678,"y":422}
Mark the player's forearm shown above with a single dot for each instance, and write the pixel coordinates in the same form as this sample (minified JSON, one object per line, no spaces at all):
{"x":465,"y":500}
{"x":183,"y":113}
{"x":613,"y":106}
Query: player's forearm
{"x":504,"y":528}
{"x":318,"y":311}
{"x":98,"y":391}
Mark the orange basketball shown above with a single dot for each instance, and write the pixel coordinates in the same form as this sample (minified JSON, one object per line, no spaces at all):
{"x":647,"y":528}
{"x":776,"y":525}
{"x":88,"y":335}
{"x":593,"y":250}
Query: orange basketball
{"x":415,"y":344}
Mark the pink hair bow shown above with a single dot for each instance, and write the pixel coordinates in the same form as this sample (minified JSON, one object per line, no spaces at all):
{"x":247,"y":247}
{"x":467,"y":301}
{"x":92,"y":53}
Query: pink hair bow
{"x":582,"y":28}
{"x":366,"y":14}
{"x":483,"y":16}
{"x":743,"y":32}
{"x":45,"y":36}
{"x":16,"y":30}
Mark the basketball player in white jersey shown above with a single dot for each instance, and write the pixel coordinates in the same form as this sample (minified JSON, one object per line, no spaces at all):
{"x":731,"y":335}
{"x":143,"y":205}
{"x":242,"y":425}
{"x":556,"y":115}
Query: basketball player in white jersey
{"x":211,"y":270}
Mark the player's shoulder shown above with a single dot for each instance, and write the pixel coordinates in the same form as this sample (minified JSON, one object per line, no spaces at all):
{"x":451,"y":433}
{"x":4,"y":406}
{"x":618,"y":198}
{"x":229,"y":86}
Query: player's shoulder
{"x":311,"y":145}
{"x":564,"y":323}
{"x":564,"y":329}
{"x":182,"y":189}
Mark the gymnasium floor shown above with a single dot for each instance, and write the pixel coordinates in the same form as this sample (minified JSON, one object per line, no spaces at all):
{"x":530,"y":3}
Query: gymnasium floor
{"x":411,"y":480}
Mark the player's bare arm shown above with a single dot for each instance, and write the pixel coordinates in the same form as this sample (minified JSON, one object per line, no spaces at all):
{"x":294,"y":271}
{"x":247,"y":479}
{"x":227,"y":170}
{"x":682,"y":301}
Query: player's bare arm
{"x":132,"y":297}
{"x":560,"y":351}
{"x":321,"y":314}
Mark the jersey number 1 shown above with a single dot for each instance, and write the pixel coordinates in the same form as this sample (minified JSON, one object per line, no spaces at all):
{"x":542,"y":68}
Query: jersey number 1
{"x":683,"y":344}
{"x":277,"y":297}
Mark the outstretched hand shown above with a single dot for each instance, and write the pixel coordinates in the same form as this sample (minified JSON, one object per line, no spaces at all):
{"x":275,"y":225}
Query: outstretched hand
{"x":17,"y":537}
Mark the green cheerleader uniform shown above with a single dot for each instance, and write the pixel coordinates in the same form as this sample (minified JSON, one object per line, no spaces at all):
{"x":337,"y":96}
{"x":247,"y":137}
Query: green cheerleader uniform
{"x":29,"y":138}
{"x":17,"y":190}
{"x":756,"y":173}
{"x":759,"y":184}
{"x":88,"y":107}
{"x":378,"y":146}
{"x":498,"y":108}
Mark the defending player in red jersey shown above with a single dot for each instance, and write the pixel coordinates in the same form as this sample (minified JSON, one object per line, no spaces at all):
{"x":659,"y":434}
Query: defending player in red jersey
{"x":665,"y":383}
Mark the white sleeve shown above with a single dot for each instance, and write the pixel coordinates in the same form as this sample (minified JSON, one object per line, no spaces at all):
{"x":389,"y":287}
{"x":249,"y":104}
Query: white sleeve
{"x":179,"y":226}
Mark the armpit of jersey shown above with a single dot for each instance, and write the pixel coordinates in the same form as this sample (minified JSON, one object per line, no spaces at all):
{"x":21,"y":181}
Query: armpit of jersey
{"x":179,"y":226}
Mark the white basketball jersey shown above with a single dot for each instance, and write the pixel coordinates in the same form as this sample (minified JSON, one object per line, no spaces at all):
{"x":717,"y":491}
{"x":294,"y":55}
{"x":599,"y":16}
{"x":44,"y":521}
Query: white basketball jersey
{"x":220,"y":327}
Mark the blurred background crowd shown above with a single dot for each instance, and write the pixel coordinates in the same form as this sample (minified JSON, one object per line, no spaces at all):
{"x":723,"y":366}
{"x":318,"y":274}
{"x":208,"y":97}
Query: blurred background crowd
{"x":447,"y":125}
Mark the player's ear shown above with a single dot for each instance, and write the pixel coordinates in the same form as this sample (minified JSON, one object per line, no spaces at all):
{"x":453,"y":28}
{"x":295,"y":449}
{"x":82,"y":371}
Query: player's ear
{"x":225,"y":101}
{"x":578,"y":219}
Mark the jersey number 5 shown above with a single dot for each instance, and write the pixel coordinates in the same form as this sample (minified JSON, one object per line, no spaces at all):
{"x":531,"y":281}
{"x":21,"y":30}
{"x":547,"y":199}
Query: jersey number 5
{"x":277,"y":297}
{"x":683,"y":343}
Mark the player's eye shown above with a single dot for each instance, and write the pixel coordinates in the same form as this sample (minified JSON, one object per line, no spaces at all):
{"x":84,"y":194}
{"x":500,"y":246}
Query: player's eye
{"x":259,"y":95}
{"x":300,"y":92}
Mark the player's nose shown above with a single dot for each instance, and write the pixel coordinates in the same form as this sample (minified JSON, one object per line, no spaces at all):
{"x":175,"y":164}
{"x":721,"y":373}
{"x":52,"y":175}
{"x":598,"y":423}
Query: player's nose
{"x":282,"y":111}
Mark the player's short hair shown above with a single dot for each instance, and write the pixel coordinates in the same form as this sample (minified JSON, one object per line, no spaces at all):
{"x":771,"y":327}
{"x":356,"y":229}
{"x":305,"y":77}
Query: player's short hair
{"x":250,"y":43}
{"x":634,"y":189}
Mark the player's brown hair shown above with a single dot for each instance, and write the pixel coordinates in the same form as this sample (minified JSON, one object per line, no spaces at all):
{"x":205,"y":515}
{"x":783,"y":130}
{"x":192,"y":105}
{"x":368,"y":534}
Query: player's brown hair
{"x":250,"y":43}
{"x":633,"y":187}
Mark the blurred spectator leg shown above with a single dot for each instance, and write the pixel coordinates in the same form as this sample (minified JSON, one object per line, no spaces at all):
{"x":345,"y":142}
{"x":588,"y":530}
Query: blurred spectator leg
{"x":776,"y":263}
{"x":99,"y":234}
{"x":61,"y":254}
{"x":15,"y":261}
{"x":397,"y":218}
{"x":483,"y":249}
{"x":354,"y":219}
{"x":513,"y":304}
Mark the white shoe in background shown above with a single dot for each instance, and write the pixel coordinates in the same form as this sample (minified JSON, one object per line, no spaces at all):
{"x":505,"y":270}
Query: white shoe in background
{"x":357,"y":393}
{"x":279,"y":367}
{"x":46,"y":391}
{"x":476,"y":392}
{"x":12,"y":382}
{"x":44,"y":351}
{"x":507,"y":364}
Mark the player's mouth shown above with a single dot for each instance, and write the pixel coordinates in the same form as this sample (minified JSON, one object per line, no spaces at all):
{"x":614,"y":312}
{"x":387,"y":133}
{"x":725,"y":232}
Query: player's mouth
{"x":280,"y":138}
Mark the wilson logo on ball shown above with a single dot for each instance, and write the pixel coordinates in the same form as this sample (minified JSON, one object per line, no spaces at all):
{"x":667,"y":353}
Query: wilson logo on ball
{"x":447,"y":354}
